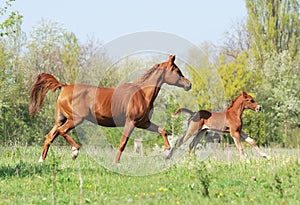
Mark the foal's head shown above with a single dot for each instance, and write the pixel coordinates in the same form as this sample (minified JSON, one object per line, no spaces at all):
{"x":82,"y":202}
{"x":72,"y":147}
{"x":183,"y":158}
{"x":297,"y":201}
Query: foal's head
{"x":173,"y":75}
{"x":249,"y":102}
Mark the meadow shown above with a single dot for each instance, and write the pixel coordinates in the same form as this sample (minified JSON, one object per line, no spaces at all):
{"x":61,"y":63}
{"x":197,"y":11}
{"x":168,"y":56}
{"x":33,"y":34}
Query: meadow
{"x":219,"y":178}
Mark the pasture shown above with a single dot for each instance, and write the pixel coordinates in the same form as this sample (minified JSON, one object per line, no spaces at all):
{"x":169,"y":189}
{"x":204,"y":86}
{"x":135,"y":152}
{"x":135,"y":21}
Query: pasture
{"x":220,"y":178}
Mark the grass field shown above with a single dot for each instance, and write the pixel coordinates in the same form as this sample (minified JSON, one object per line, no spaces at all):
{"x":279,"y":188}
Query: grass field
{"x":221,"y":178}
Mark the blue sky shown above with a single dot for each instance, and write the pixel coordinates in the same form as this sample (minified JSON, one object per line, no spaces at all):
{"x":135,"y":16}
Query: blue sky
{"x":196,"y":21}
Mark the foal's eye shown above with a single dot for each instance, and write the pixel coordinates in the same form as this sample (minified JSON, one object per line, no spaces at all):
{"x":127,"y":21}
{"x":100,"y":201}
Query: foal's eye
{"x":252,"y":101}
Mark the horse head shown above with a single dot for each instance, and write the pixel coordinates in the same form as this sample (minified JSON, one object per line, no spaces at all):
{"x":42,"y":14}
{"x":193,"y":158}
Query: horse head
{"x":249,"y":102}
{"x":174,"y":76}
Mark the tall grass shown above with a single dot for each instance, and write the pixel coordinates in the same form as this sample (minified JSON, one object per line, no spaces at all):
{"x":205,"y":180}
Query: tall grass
{"x":60,"y":180}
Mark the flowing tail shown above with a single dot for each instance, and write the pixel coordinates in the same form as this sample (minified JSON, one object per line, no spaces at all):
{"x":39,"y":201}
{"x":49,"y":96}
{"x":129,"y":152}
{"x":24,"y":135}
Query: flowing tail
{"x":180,"y":110}
{"x":42,"y":84}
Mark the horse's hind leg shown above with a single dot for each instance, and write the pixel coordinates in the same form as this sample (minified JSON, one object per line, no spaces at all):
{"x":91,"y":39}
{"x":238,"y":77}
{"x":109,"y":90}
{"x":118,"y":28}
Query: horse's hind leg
{"x":49,"y":139}
{"x":66,"y":127}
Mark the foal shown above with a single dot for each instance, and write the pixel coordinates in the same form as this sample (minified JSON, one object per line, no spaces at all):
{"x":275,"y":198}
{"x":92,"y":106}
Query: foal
{"x":227,"y":121}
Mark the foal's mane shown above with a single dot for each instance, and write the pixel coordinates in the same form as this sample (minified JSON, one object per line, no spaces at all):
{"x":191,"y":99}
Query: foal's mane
{"x":235,"y":99}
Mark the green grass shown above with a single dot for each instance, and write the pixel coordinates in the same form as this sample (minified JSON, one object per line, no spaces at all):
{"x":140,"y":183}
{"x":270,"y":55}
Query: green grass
{"x":60,"y":180}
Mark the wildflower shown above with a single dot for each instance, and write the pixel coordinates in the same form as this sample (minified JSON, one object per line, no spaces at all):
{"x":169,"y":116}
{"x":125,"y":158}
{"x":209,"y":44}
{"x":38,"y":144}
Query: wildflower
{"x":163,"y":189}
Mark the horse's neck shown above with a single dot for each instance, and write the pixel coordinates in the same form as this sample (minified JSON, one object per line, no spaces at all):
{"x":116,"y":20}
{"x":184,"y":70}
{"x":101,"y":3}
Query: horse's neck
{"x":151,"y":88}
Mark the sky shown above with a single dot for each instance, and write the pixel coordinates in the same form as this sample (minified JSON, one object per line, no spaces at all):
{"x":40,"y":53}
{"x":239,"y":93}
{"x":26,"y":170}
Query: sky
{"x":194,"y":20}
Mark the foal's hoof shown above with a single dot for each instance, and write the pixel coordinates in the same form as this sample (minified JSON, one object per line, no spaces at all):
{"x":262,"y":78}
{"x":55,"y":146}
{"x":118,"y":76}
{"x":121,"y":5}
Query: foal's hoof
{"x":267,"y":157}
{"x":75,"y":152}
{"x":168,"y":153}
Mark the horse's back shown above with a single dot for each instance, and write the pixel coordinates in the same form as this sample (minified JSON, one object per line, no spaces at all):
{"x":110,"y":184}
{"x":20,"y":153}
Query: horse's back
{"x":217,"y":120}
{"x":80,"y":100}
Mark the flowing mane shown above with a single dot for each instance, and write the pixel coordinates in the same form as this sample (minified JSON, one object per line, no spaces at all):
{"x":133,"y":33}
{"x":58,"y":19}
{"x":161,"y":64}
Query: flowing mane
{"x":149,"y":73}
{"x":232,"y":103}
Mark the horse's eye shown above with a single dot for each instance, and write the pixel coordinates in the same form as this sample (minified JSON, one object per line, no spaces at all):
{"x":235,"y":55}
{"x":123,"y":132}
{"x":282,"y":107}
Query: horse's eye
{"x":252,"y":101}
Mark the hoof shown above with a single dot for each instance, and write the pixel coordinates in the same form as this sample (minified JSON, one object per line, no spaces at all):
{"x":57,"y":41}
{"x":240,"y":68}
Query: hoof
{"x":168,"y":153}
{"x":267,"y":157}
{"x":41,"y":159}
{"x":75,"y":152}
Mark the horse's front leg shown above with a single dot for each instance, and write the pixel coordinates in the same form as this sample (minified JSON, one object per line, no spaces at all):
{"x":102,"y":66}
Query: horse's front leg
{"x":253,"y":143}
{"x":154,"y":128}
{"x":128,"y":128}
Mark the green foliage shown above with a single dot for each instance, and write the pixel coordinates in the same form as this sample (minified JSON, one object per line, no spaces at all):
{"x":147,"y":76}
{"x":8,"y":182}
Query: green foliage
{"x":206,"y":83}
{"x":273,"y":26}
{"x":263,"y":61}
{"x":281,"y":94}
{"x":70,"y":57}
{"x":12,"y":18}
{"x":236,"y":76}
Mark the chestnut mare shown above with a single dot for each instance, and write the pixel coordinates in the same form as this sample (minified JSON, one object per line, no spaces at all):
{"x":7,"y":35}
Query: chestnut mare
{"x":227,"y":121}
{"x":129,"y":105}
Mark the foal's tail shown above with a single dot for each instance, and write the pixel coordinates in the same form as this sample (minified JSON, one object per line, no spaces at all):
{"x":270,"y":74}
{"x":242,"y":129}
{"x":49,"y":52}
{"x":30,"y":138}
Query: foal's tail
{"x":180,"y":110}
{"x":42,"y":84}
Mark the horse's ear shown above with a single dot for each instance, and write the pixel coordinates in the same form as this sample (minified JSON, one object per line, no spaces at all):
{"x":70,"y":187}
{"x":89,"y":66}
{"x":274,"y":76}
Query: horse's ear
{"x":171,"y":59}
{"x":244,"y":94}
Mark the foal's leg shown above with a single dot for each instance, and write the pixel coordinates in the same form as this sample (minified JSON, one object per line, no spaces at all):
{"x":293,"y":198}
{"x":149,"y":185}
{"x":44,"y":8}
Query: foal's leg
{"x":197,"y":139}
{"x":253,"y":143}
{"x":128,"y":128}
{"x":236,"y":137}
{"x":193,"y":128}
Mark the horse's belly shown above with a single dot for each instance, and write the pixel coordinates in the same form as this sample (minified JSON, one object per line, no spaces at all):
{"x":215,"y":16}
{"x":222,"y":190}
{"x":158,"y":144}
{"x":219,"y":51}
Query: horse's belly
{"x":117,"y":121}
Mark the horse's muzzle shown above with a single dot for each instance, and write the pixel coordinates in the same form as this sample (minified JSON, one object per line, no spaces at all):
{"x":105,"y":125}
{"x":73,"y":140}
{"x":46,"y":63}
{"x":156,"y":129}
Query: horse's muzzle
{"x":188,"y":86}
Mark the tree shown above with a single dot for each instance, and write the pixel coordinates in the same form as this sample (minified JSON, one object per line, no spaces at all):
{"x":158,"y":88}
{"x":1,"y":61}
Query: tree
{"x":11,"y":20}
{"x":207,"y":89}
{"x":282,"y":98}
{"x":236,"y":41}
{"x":274,"y":26}
{"x":236,"y":76}
{"x":70,"y":57}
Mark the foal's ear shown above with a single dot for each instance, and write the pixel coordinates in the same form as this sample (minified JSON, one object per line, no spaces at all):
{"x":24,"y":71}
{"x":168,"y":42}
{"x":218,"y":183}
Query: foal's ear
{"x":244,"y":94}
